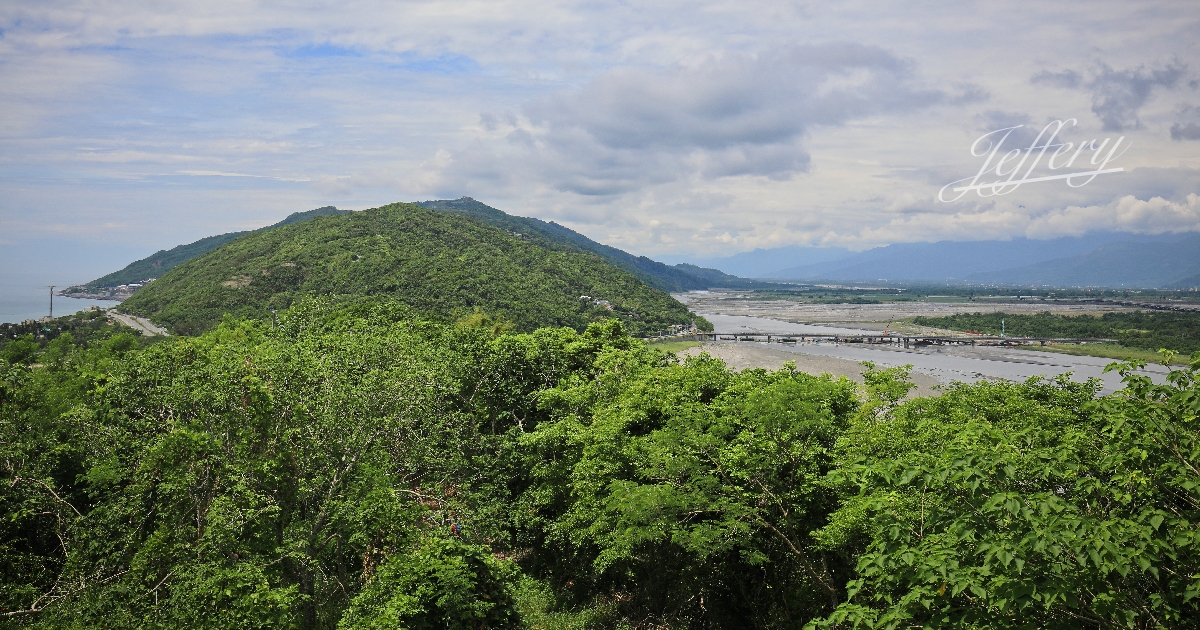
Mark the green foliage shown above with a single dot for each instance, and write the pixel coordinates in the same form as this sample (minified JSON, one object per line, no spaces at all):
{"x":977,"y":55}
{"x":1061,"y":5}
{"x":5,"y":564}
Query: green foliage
{"x":1178,"y":331}
{"x":20,"y":350}
{"x":690,"y":490}
{"x":479,"y":319}
{"x":85,"y":327}
{"x":443,"y":583}
{"x":357,"y":466}
{"x":259,"y":477}
{"x":1024,"y":506}
{"x":443,"y":265}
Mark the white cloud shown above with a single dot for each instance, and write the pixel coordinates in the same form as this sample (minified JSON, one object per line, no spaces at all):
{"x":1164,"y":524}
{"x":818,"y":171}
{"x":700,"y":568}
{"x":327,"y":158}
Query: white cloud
{"x":702,"y":128}
{"x":1126,"y":214}
{"x":722,"y":116}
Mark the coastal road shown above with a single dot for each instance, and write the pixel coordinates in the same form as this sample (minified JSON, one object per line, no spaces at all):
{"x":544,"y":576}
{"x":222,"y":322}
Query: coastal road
{"x":138,"y":323}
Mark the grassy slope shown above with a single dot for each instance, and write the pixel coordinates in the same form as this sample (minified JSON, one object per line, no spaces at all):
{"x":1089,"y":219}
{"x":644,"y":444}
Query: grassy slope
{"x":1113,"y":351}
{"x":443,"y":264}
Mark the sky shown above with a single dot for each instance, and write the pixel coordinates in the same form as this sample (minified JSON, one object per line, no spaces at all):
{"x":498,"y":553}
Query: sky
{"x":667,"y":129}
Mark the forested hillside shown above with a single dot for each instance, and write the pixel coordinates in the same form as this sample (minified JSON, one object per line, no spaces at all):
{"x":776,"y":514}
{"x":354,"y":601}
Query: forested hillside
{"x":358,"y":466}
{"x":444,"y":265}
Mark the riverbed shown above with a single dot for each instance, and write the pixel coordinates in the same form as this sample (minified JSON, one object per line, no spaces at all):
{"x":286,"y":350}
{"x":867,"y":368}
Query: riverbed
{"x":943,"y":364}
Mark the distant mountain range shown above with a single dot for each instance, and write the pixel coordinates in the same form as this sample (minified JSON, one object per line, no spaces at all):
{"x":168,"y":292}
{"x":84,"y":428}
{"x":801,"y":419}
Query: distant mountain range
{"x":1100,"y":260}
{"x":1170,"y":264}
{"x":762,"y":263}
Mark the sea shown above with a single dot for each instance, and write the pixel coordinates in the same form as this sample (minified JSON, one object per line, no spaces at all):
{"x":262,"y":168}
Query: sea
{"x":22,"y":300}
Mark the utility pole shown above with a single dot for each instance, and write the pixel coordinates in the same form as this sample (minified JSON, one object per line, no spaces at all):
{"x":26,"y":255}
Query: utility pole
{"x":52,"y":301}
{"x":1001,"y":327}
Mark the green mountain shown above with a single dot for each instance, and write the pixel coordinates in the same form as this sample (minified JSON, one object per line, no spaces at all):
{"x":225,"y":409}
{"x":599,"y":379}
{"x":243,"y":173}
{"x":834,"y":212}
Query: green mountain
{"x":681,"y":277}
{"x":165,"y":260}
{"x":440,"y":263}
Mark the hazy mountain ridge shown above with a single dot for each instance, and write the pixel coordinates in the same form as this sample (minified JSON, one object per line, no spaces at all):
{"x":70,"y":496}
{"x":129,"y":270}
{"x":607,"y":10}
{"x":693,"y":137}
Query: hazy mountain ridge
{"x":1189,"y":283}
{"x":1121,"y":264}
{"x":1102,"y":259}
{"x":761,"y":263}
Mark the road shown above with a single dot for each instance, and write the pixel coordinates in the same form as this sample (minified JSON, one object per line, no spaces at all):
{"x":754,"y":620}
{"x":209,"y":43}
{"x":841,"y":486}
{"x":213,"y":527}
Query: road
{"x":138,"y":323}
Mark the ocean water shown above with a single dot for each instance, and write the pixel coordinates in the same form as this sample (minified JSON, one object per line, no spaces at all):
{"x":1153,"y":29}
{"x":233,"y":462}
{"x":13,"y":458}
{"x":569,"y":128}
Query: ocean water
{"x":21,"y":301}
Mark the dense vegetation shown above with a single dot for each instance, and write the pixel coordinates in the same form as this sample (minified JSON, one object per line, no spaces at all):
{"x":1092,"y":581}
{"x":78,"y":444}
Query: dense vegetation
{"x":1177,"y":331}
{"x":22,"y":343}
{"x":442,"y":264}
{"x":357,"y":466}
{"x":659,"y":275}
{"x":163,"y":261}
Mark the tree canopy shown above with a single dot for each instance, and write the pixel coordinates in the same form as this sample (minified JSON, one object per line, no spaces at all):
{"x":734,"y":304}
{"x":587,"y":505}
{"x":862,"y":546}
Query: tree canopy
{"x":358,"y":465}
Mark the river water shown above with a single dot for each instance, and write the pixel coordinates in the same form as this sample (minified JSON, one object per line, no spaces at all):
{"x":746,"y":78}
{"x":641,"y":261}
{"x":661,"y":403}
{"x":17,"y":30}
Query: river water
{"x":947,"y":364}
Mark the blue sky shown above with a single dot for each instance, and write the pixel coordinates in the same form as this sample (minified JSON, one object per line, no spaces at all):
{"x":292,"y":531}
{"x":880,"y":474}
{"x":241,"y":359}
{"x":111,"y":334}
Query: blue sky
{"x":667,"y":129}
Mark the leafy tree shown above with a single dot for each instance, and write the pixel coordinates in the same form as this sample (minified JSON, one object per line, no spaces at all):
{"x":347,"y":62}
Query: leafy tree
{"x":1032,"y":505}
{"x":694,"y":489}
{"x":443,"y":583}
{"x":358,"y":466}
{"x":20,"y":350}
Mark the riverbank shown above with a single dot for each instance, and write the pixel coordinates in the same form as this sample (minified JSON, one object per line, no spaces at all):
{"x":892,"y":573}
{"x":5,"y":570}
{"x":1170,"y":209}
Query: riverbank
{"x":741,"y":356}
